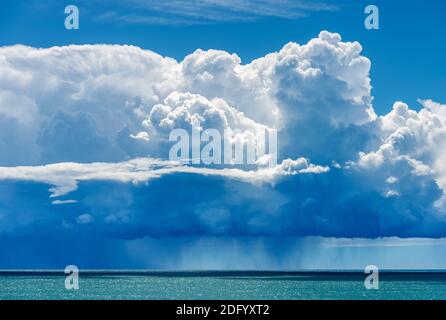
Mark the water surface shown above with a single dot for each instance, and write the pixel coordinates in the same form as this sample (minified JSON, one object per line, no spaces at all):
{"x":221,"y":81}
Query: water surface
{"x":221,"y":285}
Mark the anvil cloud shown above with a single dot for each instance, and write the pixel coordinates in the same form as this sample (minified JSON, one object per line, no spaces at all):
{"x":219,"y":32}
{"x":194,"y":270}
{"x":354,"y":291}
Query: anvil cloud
{"x":85,"y":128}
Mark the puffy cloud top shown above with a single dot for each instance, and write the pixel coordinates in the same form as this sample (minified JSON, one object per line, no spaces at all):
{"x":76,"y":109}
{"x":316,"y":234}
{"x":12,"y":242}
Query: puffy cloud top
{"x":74,"y":117}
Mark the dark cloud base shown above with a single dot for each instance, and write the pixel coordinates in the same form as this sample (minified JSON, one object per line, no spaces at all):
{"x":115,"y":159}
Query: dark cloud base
{"x":333,"y":204}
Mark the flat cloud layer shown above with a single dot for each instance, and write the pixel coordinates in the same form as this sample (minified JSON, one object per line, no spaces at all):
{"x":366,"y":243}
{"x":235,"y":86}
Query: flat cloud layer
{"x":66,"y":176}
{"x":91,"y":124}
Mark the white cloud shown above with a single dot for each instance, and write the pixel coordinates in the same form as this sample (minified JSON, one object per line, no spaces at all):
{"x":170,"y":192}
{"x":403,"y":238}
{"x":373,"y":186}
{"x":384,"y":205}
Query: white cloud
{"x":411,"y":143}
{"x":84,"y":219}
{"x":95,"y":102}
{"x":86,"y":110}
{"x":209,"y":11}
{"x":58,"y":202}
{"x":64,"y":177}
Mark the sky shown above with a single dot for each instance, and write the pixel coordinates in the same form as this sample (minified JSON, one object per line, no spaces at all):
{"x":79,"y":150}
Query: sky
{"x":408,"y":46}
{"x":86,"y":173}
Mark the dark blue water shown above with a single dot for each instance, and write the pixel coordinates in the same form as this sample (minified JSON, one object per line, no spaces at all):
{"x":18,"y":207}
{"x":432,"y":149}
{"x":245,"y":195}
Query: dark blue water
{"x":222,"y":285}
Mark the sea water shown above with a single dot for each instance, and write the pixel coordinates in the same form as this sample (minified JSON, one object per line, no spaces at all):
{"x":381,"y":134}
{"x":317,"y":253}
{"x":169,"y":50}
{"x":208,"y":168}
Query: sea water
{"x":222,"y":285}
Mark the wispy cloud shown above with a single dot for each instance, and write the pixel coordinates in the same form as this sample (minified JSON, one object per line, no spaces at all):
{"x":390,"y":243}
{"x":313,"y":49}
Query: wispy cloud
{"x":208,"y":11}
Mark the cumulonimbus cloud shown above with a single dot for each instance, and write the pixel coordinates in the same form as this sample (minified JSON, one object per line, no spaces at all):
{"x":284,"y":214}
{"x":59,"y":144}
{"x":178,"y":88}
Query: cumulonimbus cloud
{"x":73,"y":116}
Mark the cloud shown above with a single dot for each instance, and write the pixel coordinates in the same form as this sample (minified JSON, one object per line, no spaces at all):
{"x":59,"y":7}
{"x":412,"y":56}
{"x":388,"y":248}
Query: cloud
{"x":84,"y":219}
{"x":92,"y":122}
{"x":57,"y":202}
{"x":411,"y":140}
{"x":99,"y":103}
{"x":210,"y":11}
{"x":64,"y":177}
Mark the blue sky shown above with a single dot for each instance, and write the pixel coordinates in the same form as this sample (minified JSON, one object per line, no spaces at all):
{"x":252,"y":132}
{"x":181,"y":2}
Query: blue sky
{"x":84,"y":134}
{"x":407,"y":52}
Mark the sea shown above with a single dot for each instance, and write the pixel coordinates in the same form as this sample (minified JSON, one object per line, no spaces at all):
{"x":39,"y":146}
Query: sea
{"x":222,"y":285}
